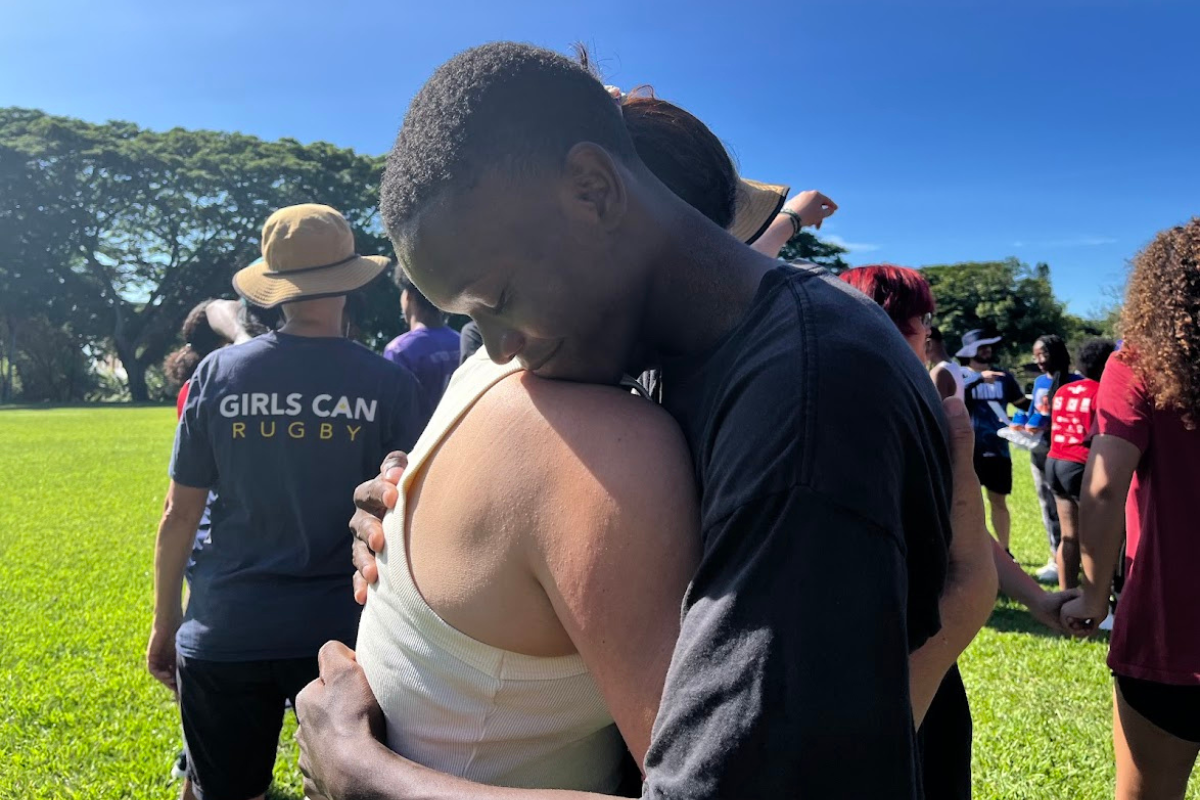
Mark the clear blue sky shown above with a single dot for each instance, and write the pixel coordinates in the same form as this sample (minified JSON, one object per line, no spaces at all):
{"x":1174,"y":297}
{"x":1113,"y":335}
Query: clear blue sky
{"x":1065,"y":132}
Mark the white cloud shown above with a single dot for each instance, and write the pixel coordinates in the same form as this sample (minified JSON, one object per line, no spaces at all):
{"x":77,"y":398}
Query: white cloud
{"x":1078,"y":241}
{"x":852,"y":247}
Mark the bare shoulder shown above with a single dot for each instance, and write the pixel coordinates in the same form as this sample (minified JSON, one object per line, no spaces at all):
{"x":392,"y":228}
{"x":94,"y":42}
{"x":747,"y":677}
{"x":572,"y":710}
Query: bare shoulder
{"x":600,"y":421}
{"x":581,"y":442}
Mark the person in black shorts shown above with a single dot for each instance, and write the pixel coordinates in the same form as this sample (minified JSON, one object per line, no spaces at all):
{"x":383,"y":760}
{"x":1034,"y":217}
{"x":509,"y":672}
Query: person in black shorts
{"x":283,"y":426}
{"x":1072,"y":413}
{"x":1066,"y":478}
{"x":988,"y":394}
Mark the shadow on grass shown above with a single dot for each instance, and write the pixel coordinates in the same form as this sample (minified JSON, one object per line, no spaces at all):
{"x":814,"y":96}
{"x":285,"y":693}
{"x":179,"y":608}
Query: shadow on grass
{"x":1010,"y":619}
{"x":283,"y":794}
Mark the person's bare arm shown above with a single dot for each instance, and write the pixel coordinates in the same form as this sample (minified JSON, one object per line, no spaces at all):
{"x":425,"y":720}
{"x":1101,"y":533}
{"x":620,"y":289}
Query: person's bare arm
{"x":222,"y":316}
{"x":618,"y":590}
{"x":176,"y":533}
{"x":1106,"y":480}
{"x":970,"y":592}
{"x":1016,"y":583}
{"x":944,"y":381}
{"x":812,"y":208}
{"x":343,"y":757}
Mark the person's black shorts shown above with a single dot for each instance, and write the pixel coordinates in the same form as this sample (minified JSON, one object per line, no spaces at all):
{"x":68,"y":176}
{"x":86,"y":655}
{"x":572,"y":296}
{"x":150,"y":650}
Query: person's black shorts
{"x":1175,"y":709}
{"x":944,"y":740}
{"x":995,"y":473}
{"x":232,"y":714}
{"x":1065,"y":478}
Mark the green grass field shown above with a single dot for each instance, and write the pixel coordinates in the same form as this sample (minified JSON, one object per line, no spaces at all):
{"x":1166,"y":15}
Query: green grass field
{"x":81,"y":718}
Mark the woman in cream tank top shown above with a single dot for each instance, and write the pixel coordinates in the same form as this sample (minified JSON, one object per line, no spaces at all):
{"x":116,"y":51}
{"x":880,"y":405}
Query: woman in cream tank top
{"x":492,"y":715}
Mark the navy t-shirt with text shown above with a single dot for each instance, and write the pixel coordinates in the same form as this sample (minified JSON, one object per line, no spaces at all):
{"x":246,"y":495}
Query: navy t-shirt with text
{"x":980,"y":395}
{"x":287,"y":426}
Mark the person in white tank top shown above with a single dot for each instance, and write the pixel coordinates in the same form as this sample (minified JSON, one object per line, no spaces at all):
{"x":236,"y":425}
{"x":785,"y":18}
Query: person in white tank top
{"x":945,"y":371}
{"x":599,"y":529}
{"x":483,"y":639}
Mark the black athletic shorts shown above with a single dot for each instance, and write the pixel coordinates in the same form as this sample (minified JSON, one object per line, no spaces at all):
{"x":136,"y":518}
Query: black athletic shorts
{"x":1065,"y":478}
{"x":232,"y":714}
{"x":995,"y":473}
{"x":944,"y":742}
{"x":1175,"y":709}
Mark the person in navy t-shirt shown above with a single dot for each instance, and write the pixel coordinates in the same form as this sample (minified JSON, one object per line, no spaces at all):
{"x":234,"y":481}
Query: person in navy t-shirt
{"x":287,"y":424}
{"x":988,"y":394}
{"x":430,"y":349}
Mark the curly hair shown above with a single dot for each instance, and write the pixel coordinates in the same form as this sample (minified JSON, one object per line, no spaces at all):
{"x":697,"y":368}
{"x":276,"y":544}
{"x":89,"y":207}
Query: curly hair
{"x":1161,"y":320}
{"x":200,"y":340}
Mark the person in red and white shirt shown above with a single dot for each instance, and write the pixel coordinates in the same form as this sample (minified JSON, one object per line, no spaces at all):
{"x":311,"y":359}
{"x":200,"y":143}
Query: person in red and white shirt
{"x":1072,"y":414}
{"x":1147,"y":448}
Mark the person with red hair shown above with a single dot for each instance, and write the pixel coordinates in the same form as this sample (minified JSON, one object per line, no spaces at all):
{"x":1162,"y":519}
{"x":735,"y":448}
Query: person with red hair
{"x":945,"y":735}
{"x":904,"y":294}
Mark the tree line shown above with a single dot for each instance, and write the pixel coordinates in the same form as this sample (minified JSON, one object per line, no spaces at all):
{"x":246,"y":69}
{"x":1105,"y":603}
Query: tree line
{"x":110,"y":233}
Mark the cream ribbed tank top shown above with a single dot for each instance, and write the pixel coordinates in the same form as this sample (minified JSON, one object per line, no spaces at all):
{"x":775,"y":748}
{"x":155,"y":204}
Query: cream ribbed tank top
{"x":463,"y":707}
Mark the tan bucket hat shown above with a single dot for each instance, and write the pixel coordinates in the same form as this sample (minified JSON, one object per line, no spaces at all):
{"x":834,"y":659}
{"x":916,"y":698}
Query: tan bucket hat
{"x":308,"y":252}
{"x":757,"y":206}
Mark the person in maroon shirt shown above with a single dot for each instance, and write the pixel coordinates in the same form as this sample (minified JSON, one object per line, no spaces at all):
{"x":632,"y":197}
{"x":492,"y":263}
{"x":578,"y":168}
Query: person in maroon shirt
{"x":1147,"y":446}
{"x":1073,"y":411}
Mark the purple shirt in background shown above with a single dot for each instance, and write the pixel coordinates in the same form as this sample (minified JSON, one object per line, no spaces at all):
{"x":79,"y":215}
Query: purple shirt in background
{"x":431,"y":354}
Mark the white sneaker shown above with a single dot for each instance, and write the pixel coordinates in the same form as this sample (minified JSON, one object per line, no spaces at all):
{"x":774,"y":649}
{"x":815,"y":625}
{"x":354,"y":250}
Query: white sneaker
{"x":1048,"y":573}
{"x":1107,"y":624}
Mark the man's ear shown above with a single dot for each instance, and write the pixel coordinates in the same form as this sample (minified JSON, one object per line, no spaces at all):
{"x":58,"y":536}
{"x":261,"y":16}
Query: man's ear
{"x":593,"y":189}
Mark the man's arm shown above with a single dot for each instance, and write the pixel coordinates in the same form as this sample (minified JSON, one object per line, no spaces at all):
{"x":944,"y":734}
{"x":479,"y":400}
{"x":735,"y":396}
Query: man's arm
{"x":944,"y":381}
{"x":970,"y":592}
{"x":343,"y":757}
{"x":1106,"y":480}
{"x":222,"y":316}
{"x":1016,"y":395}
{"x":789,"y":681}
{"x":176,"y":533}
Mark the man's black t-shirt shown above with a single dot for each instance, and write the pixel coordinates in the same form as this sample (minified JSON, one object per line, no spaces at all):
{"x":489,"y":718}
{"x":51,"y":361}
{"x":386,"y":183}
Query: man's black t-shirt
{"x":821,"y":455}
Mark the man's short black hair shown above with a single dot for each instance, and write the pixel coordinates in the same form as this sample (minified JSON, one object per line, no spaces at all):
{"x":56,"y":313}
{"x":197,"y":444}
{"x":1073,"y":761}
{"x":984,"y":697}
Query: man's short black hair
{"x":935,"y":333}
{"x":415,"y":295}
{"x":1093,"y":355}
{"x":498,"y":106}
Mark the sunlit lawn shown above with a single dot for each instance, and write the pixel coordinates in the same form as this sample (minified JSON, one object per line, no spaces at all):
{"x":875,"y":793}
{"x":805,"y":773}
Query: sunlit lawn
{"x":80,"y":718}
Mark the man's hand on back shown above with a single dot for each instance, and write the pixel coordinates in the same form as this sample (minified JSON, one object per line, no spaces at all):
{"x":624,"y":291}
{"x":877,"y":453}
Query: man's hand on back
{"x":338,"y":714}
{"x":372,"y":500}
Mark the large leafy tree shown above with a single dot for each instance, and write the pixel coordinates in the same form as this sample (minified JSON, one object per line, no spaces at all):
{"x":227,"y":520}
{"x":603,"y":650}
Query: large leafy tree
{"x":805,"y":246}
{"x":146,"y":223}
{"x":42,"y":310}
{"x":1005,"y":297}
